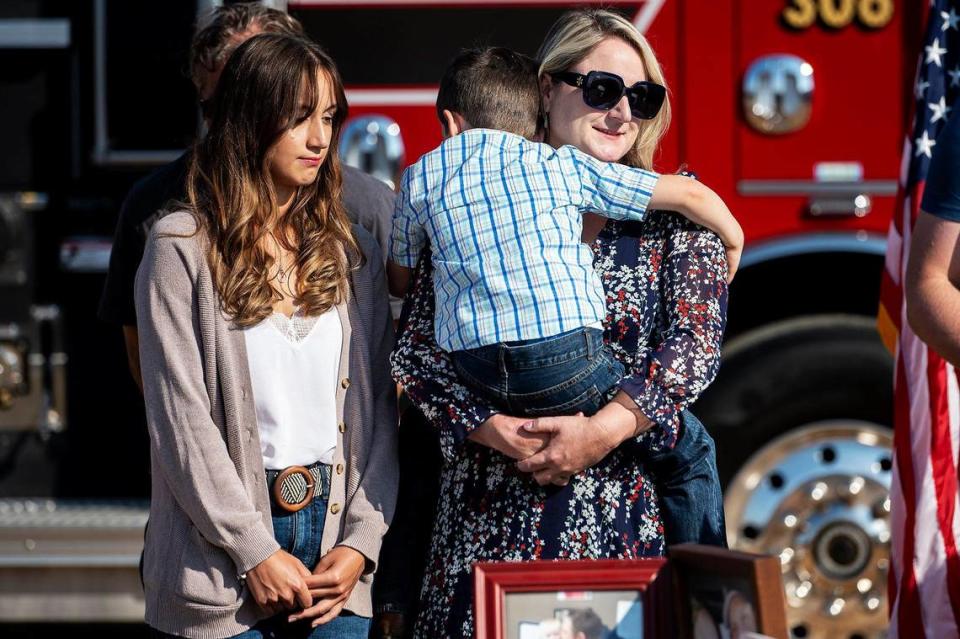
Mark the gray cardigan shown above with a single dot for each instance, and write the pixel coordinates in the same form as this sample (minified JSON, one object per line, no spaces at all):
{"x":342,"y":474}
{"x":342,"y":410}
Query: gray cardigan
{"x":209,"y":511}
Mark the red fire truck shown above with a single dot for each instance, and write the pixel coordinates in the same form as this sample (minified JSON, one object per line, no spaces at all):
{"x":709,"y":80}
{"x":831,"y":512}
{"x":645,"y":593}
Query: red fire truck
{"x":793,"y":110}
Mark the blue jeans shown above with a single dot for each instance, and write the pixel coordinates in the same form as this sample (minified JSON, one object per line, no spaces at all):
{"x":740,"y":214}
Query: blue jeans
{"x":299,"y":534}
{"x":691,"y":501}
{"x":346,"y":626}
{"x":559,"y":375}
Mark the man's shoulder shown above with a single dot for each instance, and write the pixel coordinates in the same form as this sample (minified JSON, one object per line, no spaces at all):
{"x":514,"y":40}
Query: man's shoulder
{"x":151,"y":193}
{"x":354,"y":178}
{"x":362,"y":191}
{"x":367,"y":242}
{"x":951,"y":131}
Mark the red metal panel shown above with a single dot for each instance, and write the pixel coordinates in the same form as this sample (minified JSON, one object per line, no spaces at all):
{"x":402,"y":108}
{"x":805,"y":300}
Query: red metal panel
{"x":857,"y":106}
{"x":706,"y":96}
{"x":665,"y":37}
{"x":861,"y":78}
{"x":858,"y":111}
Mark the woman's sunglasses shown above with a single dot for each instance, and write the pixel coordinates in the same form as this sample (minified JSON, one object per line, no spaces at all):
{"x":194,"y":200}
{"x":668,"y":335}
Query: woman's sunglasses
{"x":602,"y":90}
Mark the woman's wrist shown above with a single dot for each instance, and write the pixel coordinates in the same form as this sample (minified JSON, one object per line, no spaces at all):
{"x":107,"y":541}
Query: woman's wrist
{"x":622,"y":419}
{"x":494,"y":433}
{"x":486,"y":432}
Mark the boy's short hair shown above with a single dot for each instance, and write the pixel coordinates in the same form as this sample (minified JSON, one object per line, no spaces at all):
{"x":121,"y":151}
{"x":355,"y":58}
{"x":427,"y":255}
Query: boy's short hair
{"x":492,"y":88}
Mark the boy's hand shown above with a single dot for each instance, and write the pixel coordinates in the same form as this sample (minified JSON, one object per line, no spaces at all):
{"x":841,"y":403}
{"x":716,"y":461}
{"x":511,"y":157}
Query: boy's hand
{"x":731,"y":234}
{"x":734,"y":251}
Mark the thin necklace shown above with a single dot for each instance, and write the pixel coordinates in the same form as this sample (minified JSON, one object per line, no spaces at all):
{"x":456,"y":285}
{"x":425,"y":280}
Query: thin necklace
{"x":283,"y":274}
{"x":283,"y":278}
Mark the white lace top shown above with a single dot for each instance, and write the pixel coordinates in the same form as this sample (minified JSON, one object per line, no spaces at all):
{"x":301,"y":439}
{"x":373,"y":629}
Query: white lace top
{"x":294,"y":364}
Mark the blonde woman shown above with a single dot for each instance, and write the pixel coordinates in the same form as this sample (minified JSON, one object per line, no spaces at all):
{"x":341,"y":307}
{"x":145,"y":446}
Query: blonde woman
{"x":265,"y":334}
{"x":562,"y":490}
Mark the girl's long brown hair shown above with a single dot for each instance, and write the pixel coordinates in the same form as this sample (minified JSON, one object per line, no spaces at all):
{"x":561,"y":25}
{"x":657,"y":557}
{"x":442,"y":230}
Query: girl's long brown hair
{"x":260,"y":95}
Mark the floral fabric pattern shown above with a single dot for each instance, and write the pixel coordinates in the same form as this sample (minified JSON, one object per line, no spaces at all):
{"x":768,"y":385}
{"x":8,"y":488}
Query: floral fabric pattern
{"x":666,"y":295}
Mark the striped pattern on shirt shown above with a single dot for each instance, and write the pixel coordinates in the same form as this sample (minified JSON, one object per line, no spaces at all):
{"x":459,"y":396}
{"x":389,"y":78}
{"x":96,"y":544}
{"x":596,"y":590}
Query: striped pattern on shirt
{"x":503,"y":216}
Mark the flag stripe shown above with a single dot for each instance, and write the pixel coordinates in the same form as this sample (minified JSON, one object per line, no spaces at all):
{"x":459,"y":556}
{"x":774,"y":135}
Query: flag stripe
{"x":905,"y":593}
{"x":897,"y":516}
{"x":944,"y":473}
{"x":928,"y":548}
{"x":953,"y":395}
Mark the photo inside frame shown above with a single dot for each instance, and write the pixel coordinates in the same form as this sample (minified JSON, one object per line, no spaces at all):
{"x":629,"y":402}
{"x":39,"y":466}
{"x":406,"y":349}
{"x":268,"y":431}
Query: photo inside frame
{"x":605,"y":614}
{"x":721,"y":607}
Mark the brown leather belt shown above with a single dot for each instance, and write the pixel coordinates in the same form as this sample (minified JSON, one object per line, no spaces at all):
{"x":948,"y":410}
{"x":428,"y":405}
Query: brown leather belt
{"x":292,"y":488}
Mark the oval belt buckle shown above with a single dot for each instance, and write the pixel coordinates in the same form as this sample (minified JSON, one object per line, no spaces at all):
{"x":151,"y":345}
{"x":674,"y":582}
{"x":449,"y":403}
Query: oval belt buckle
{"x":293,"y":488}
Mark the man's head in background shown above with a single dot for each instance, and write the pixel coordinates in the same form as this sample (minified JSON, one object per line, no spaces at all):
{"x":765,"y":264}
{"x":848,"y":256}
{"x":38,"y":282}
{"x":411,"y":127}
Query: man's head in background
{"x":585,"y":624}
{"x":226,"y":28}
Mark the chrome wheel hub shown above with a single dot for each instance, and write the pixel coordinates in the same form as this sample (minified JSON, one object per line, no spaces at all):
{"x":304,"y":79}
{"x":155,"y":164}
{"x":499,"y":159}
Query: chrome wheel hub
{"x":819,"y":498}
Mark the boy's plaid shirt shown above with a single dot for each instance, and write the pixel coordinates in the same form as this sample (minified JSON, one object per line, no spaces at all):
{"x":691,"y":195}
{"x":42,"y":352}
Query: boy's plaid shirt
{"x":503,"y":216}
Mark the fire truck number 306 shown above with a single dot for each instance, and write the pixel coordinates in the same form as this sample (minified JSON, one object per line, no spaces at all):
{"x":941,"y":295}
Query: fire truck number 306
{"x":836,"y":14}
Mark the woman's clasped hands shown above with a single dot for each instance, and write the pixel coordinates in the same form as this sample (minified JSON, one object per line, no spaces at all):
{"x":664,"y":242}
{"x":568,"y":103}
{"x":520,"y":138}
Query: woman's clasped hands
{"x":281,"y":582}
{"x":553,"y":449}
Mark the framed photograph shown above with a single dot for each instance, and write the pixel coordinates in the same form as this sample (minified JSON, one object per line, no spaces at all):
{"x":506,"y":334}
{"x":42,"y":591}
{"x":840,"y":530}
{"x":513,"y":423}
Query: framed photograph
{"x":619,"y":599}
{"x":724,"y":593}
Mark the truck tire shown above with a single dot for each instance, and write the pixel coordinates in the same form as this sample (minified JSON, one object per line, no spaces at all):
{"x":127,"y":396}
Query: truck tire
{"x":801,"y":415}
{"x":793,"y":373}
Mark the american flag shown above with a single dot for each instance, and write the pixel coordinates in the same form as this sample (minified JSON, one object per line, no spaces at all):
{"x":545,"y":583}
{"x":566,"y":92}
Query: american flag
{"x":924,"y":583}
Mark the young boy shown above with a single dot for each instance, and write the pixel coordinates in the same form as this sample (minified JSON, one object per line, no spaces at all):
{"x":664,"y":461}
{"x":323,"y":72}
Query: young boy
{"x":518,"y":305}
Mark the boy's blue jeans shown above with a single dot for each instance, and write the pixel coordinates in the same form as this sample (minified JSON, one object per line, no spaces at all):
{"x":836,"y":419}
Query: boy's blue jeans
{"x":573,"y":372}
{"x":691,"y":500}
{"x":558,"y":375}
{"x":299,"y":534}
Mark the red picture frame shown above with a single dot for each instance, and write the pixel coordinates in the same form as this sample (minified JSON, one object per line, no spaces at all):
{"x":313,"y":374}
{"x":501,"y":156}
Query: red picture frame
{"x":493,"y":581}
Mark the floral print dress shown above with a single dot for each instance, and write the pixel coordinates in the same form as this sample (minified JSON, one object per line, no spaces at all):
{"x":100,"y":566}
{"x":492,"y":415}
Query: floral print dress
{"x":666,"y":305}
